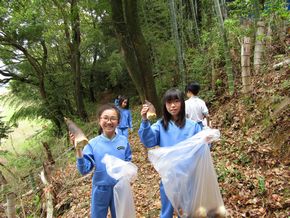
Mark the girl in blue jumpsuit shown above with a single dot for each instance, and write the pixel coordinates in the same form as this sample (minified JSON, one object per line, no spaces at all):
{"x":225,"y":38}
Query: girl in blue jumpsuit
{"x":171,"y":129}
{"x":108,"y":142}
{"x":126,"y":117}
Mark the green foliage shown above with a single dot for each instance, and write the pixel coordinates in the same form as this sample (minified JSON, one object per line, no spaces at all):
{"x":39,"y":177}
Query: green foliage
{"x":285,"y":84}
{"x":278,"y":7}
{"x":261,"y":185}
{"x":117,"y":65}
{"x":222,"y":173}
{"x":243,"y":159}
{"x":218,"y":82}
{"x":197,"y":65}
{"x":4,"y":129}
{"x":30,"y":158}
{"x":37,"y":201}
{"x":240,"y":9}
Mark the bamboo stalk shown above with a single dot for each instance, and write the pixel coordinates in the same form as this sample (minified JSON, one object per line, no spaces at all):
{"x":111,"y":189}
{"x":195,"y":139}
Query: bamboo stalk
{"x":245,"y":63}
{"x":194,"y":15}
{"x":259,"y":46}
{"x":11,"y":210}
{"x":229,"y":68}
{"x":177,"y":40}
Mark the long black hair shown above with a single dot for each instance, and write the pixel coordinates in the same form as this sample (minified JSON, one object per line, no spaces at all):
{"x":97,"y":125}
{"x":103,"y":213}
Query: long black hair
{"x":121,"y":99}
{"x":104,"y":107}
{"x":173,"y":94}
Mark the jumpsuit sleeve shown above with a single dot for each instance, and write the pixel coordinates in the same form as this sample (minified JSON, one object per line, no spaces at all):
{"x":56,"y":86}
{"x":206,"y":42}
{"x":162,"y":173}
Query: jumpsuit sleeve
{"x":130,"y":120}
{"x":128,"y":153}
{"x":149,"y":135}
{"x":197,"y":128}
{"x":86,"y":163}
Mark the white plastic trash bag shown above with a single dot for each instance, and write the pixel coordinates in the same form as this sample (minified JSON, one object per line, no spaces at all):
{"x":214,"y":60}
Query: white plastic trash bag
{"x":123,"y":197}
{"x":125,"y":172}
{"x":188,"y":176}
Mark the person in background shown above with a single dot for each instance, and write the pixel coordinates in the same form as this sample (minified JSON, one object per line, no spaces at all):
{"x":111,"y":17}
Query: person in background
{"x":107,"y":142}
{"x":195,"y":108}
{"x":171,"y":129}
{"x":126,"y":117}
{"x":116,"y":101}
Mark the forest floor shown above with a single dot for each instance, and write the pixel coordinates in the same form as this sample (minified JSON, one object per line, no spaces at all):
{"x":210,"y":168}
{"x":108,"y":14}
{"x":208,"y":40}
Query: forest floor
{"x":251,"y":159}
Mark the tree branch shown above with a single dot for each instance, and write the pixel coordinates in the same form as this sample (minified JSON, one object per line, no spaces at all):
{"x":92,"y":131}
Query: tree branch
{"x":13,"y":76}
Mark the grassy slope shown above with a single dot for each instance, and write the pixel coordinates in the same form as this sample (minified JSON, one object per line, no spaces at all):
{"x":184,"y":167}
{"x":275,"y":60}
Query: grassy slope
{"x":24,"y":130}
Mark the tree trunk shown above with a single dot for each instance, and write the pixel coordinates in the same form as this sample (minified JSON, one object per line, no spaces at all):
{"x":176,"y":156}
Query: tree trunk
{"x":224,"y":9}
{"x":229,"y":67}
{"x":75,"y":59}
{"x":92,"y":79}
{"x":48,"y":153}
{"x":176,"y":37}
{"x":245,"y":63}
{"x":134,"y":49}
{"x":259,"y":46}
{"x":73,"y":44}
{"x":40,"y":69}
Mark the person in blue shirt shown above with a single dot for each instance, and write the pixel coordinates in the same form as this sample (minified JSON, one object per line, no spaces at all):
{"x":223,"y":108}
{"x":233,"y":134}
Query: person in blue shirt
{"x":116,"y":100}
{"x":108,"y":142}
{"x":126,"y":117}
{"x":171,"y":129}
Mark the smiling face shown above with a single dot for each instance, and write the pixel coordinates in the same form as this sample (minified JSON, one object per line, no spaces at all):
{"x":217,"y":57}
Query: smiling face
{"x":109,"y":121}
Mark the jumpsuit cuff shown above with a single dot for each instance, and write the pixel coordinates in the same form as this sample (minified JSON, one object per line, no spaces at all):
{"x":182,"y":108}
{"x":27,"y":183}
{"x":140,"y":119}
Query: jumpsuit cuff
{"x":145,"y":124}
{"x":80,"y":161}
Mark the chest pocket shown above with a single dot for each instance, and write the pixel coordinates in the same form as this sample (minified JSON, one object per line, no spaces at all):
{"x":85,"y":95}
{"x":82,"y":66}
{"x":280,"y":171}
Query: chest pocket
{"x":120,"y":151}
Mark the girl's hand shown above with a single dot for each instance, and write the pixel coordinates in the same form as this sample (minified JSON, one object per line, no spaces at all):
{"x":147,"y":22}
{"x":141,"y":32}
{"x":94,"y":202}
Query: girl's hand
{"x":72,"y":139}
{"x":144,"y":111}
{"x":208,"y":139}
{"x":79,"y":152}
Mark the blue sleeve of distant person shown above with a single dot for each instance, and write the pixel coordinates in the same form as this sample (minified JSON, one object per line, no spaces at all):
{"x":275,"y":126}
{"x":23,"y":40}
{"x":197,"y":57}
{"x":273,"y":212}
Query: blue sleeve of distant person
{"x":130,"y":120}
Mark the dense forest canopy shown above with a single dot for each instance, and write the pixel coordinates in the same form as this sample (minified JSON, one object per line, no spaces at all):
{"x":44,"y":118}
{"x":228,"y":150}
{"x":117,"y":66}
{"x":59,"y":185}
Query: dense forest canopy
{"x":59,"y":56}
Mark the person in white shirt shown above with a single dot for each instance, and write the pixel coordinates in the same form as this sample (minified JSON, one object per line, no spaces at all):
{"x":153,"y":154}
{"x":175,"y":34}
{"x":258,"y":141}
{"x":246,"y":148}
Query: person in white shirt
{"x":195,"y":108}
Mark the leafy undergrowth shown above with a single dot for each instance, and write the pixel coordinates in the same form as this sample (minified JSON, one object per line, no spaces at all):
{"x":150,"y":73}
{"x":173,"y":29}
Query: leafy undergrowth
{"x":251,"y":159}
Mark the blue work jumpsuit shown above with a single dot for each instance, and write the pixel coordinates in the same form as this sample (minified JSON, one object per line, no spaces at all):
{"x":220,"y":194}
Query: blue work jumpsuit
{"x":156,"y":135}
{"x":125,"y":122}
{"x":102,"y":184}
